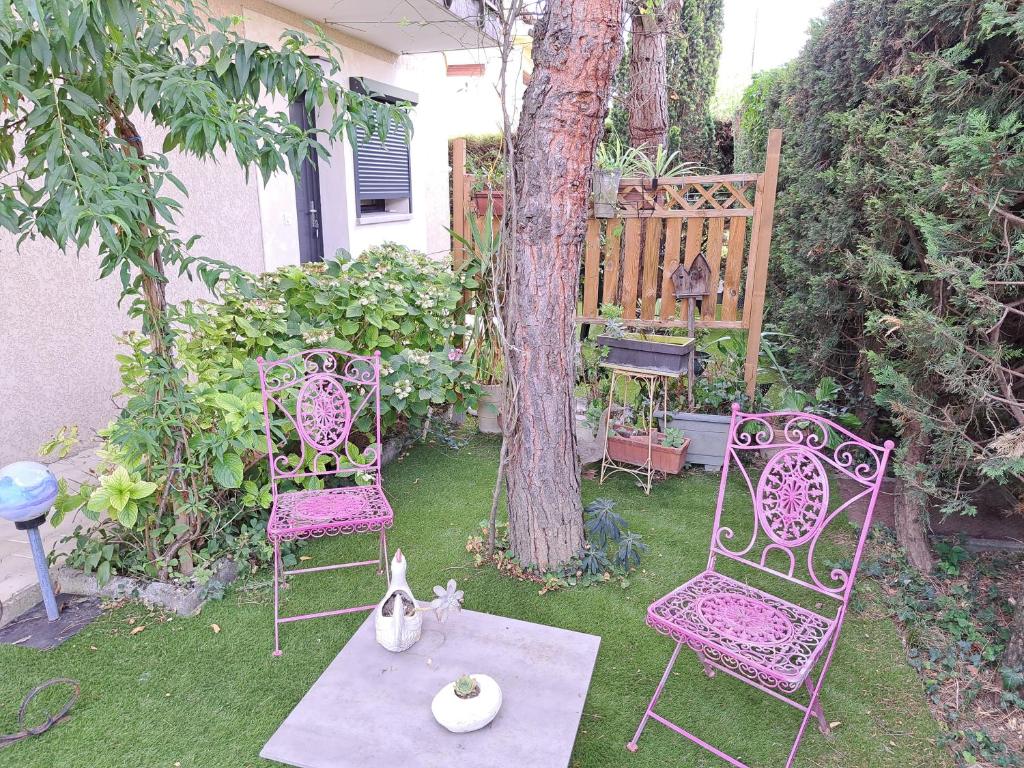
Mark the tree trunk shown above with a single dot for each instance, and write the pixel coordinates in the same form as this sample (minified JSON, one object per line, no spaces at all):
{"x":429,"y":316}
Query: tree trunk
{"x":575,"y":49}
{"x":154,"y":289}
{"x":1013,"y":656}
{"x":647,"y":98}
{"x":911,"y":504}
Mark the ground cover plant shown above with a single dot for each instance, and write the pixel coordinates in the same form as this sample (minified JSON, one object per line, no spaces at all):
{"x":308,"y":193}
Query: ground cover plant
{"x":388,"y":298}
{"x":206,"y":691}
{"x":956,"y":626}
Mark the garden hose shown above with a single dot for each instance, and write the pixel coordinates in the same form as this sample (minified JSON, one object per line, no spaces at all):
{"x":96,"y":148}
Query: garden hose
{"x":25,"y":731}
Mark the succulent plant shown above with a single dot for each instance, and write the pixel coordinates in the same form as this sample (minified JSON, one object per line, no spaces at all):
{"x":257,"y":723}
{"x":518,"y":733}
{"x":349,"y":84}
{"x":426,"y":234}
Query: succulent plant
{"x":466,"y":687}
{"x":448,"y":600}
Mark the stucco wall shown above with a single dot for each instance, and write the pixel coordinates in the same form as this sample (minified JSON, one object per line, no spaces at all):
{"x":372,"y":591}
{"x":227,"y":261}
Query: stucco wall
{"x":58,"y":321}
{"x":425,"y":229}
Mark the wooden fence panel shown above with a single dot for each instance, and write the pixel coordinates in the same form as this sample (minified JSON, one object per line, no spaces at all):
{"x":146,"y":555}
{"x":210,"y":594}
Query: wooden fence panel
{"x":652,"y":258}
{"x":733,"y":267}
{"x":592,"y":261}
{"x":630,"y":258}
{"x":694,"y":241}
{"x":673,"y":233}
{"x":630,"y":268}
{"x":716,"y":228}
{"x":612,"y":258}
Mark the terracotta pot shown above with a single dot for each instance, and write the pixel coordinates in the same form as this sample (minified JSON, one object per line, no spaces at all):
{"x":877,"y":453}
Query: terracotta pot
{"x":633,"y":450}
{"x":496,"y":197}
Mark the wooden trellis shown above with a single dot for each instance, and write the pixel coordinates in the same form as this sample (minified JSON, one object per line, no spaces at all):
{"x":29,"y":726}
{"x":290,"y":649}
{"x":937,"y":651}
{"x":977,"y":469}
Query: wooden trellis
{"x":629,"y":259}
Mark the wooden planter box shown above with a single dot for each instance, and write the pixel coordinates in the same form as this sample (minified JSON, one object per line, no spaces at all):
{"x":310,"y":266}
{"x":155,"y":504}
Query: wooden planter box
{"x":707,"y":433}
{"x":650,"y":351}
{"x":633,"y":450}
{"x":482,"y":198}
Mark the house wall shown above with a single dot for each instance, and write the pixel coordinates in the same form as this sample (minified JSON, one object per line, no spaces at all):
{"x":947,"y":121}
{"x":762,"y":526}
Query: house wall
{"x":58,"y":320}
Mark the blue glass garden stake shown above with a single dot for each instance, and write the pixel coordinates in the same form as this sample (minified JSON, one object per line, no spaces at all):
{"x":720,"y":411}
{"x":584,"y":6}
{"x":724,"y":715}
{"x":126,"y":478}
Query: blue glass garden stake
{"x":27,"y":491}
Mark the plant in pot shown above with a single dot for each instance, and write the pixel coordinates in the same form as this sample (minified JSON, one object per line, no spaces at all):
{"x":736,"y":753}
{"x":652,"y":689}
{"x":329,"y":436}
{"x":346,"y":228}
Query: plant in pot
{"x":630,"y":445}
{"x":652,"y":168}
{"x":612,"y":161}
{"x":591,"y":395}
{"x":484,"y":340}
{"x":468,"y":703}
{"x":662,"y":352}
{"x":719,"y":360}
{"x":488,"y":189}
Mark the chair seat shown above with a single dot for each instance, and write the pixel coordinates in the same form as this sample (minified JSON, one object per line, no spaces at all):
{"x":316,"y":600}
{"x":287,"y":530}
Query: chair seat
{"x":752,"y":633}
{"x":305,"y":514}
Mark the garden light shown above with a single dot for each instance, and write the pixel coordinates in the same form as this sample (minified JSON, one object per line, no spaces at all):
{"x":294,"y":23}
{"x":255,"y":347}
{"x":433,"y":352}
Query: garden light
{"x":27,"y":491}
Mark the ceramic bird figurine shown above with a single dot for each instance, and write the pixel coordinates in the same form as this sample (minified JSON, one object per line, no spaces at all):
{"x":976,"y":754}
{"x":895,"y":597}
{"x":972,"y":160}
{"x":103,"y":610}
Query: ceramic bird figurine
{"x":401,"y":629}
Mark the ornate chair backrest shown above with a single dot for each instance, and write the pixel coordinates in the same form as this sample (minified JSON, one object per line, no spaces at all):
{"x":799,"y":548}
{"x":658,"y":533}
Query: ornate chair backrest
{"x":314,"y":403}
{"x":815,"y":470}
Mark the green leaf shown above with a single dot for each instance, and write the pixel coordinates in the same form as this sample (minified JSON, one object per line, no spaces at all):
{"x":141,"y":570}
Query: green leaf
{"x":142,"y":489}
{"x":103,"y":573}
{"x":99,"y":501}
{"x":228,"y":471}
{"x":129,"y":515}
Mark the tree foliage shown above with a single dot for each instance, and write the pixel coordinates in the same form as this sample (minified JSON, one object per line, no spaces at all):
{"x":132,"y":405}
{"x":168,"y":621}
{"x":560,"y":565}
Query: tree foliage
{"x":898,"y":257}
{"x":694,"y":49}
{"x":76,"y":77}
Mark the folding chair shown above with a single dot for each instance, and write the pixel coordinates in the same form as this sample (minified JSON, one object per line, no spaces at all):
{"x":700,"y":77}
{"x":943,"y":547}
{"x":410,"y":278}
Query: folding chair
{"x":313,"y":401}
{"x":768,"y":642}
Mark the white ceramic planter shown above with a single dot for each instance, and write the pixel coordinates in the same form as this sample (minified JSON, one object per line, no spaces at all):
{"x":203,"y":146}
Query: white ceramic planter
{"x":397,"y":632}
{"x":465,"y":715}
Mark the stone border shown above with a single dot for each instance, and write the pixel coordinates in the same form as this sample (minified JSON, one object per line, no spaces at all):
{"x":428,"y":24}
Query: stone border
{"x":184,"y":601}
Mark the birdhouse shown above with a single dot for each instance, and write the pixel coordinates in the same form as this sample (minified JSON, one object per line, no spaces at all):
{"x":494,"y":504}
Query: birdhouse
{"x":692,"y":282}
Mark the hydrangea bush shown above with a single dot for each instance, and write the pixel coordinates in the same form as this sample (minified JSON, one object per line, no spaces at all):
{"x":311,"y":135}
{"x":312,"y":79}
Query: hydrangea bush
{"x":389,"y":298}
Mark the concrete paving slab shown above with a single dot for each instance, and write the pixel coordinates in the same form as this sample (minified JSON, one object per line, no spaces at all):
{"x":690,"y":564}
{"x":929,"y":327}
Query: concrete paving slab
{"x":372,"y":707}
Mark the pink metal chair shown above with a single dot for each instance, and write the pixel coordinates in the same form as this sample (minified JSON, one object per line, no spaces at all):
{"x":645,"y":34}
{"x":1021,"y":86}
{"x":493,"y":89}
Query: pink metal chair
{"x":312,"y":402}
{"x":768,"y":642}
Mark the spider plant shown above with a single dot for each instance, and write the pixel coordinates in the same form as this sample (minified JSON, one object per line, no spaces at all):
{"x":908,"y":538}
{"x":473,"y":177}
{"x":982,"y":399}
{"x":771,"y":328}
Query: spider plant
{"x":664,"y":164}
{"x":484,"y":342}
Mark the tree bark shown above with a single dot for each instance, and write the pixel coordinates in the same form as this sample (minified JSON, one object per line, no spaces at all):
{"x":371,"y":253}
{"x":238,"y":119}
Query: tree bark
{"x":911,"y":507}
{"x":1013,"y":656}
{"x":575,"y":50}
{"x":154,"y":288}
{"x":647,"y":98}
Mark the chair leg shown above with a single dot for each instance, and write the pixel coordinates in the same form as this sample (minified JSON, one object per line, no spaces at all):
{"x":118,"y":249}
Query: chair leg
{"x":278,"y":568}
{"x":708,"y":669}
{"x":632,"y":745}
{"x":817,"y":710}
{"x":385,"y":565}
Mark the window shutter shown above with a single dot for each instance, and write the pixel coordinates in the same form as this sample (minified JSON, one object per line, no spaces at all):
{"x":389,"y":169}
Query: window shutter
{"x":382,"y":168}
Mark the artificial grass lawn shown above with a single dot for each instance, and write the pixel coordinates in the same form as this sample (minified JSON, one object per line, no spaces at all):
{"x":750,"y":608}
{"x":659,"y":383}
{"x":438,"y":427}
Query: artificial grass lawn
{"x":180,"y":694}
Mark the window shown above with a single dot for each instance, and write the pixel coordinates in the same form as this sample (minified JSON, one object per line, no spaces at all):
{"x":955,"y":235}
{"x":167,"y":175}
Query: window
{"x":383,"y":172}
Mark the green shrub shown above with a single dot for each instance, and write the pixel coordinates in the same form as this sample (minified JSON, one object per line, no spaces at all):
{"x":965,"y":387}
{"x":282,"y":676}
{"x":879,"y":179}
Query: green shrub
{"x":898,"y":250}
{"x":214,"y":498}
